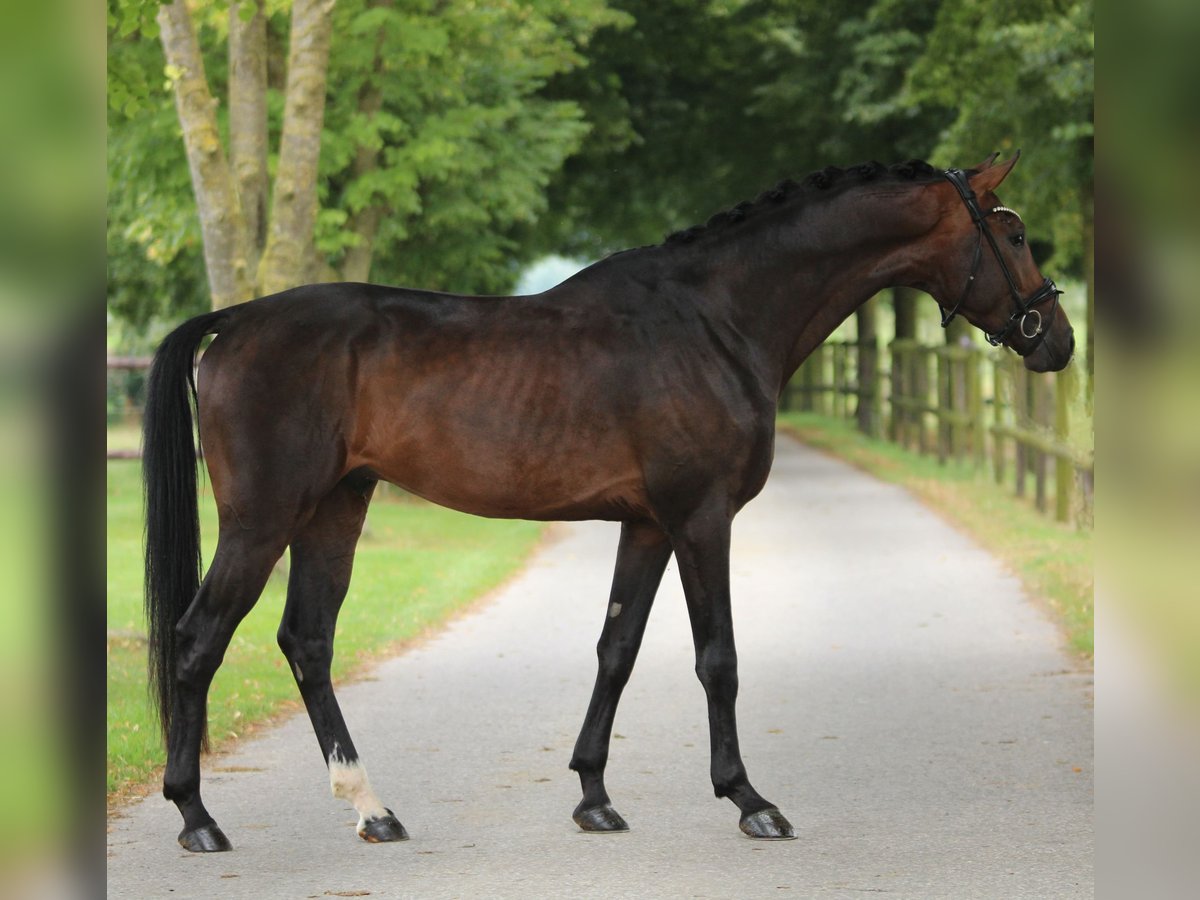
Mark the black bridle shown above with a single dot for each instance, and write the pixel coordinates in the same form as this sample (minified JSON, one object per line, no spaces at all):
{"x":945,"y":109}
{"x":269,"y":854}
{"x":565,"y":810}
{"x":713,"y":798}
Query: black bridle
{"x":1025,"y":308}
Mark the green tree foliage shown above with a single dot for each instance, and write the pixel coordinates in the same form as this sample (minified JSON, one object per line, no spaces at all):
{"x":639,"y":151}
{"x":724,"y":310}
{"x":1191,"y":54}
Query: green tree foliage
{"x":683,"y":120}
{"x":1019,"y":74}
{"x":435,"y":125}
{"x":155,"y":261}
{"x":727,"y":97}
{"x":449,"y":135}
{"x":879,"y":49}
{"x":131,"y":69}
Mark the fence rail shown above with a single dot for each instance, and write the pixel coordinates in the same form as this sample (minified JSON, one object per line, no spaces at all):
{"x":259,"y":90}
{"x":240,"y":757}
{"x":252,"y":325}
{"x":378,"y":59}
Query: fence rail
{"x":129,"y":363}
{"x":966,"y":404}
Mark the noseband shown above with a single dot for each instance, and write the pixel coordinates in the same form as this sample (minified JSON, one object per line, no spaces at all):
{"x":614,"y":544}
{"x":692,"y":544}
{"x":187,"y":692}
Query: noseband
{"x":1026,"y":318}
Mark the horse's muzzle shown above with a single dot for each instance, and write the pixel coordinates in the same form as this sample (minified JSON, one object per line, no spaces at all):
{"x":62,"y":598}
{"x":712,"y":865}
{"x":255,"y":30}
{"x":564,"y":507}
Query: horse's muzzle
{"x":1053,"y":354}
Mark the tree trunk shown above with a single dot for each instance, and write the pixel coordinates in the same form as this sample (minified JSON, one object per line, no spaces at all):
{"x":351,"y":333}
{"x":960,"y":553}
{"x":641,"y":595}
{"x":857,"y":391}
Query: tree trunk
{"x":959,"y":333}
{"x":221,"y":224}
{"x":248,"y":120}
{"x":904,"y":304}
{"x":364,"y":223}
{"x":290,"y":256}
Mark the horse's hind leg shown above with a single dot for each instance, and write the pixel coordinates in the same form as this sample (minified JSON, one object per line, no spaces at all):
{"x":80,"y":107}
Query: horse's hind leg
{"x":641,"y":558}
{"x":322,"y":557}
{"x":239,"y":571}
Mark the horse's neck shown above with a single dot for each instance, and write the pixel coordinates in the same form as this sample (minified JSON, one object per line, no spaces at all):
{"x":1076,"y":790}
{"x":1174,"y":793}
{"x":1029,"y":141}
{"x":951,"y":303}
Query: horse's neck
{"x":789,"y":290}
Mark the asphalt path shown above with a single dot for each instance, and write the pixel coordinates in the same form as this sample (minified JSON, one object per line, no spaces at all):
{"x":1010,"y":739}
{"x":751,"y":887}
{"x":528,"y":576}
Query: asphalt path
{"x":903,"y":702}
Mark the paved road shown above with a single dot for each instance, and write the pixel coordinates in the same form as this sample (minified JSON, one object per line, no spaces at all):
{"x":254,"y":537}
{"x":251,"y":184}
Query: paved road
{"x":901,"y":700}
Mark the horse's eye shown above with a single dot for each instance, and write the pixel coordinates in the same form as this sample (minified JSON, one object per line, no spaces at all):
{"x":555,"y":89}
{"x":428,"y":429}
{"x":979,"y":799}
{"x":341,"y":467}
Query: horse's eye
{"x":1018,"y":240}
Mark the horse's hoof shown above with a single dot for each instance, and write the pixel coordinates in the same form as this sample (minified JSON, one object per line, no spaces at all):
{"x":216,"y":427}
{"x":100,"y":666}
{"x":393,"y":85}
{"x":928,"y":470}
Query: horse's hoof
{"x":600,"y":820}
{"x":768,"y":825}
{"x":205,"y":839}
{"x":382,"y":829}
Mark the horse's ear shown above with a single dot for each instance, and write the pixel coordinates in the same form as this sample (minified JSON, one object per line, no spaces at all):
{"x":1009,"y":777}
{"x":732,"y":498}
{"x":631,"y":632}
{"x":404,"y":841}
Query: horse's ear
{"x":990,"y":178}
{"x":987,"y":163}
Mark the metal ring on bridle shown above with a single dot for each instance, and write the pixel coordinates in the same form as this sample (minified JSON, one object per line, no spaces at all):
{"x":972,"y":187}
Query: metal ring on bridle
{"x":1037,"y":330}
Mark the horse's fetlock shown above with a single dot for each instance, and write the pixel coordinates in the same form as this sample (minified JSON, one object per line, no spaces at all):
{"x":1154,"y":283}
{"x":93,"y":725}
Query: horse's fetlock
{"x":175,"y":789}
{"x":586,"y":766}
{"x":728,"y":774}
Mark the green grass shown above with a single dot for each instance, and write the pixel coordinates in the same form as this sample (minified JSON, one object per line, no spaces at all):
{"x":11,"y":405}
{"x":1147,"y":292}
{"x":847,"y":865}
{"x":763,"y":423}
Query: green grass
{"x":416,"y":564}
{"x":1053,"y":561}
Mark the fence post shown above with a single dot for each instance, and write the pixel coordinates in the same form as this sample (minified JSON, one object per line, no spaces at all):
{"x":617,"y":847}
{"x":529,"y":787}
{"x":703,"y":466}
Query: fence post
{"x":975,"y":402}
{"x":943,"y":396}
{"x":958,"y":404}
{"x":806,"y":397}
{"x":839,"y":380}
{"x":922,"y":361}
{"x":806,"y":380}
{"x":1040,"y":418}
{"x":1064,"y":470}
{"x":908,"y":418}
{"x":897,"y":391}
{"x":999,"y":444}
{"x":908,"y":380}
{"x":869,"y":389}
{"x":818,"y":381}
{"x":1021,"y":420}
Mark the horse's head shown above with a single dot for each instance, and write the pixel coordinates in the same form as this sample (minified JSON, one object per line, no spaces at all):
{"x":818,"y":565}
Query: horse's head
{"x":986,"y":273}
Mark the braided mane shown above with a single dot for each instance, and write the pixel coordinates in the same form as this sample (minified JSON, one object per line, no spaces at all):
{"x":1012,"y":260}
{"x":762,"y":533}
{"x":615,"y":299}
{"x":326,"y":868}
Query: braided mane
{"x":824,"y":180}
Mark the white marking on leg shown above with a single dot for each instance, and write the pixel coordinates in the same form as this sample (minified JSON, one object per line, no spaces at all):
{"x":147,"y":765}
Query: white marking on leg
{"x":614,"y":610}
{"x":296,"y":669}
{"x":348,"y":780}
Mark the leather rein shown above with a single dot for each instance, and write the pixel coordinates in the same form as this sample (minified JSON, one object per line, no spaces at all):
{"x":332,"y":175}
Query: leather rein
{"x":1026,"y":318}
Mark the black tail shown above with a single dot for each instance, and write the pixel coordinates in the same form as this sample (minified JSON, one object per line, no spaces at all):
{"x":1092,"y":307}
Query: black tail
{"x":172,"y":512}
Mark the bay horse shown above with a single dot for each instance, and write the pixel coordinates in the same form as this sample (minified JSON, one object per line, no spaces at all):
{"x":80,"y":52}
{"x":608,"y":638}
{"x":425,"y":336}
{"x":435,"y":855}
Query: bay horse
{"x":641,"y":390}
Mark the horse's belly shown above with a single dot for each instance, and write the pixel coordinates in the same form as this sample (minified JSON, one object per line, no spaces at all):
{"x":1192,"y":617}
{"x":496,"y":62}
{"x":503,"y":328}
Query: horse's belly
{"x":517,"y":479}
{"x":503,"y":425}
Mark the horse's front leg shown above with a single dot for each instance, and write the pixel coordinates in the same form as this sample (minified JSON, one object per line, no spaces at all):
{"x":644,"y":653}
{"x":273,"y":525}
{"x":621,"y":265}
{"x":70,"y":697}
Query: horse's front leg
{"x":641,"y":558}
{"x":702,"y":549}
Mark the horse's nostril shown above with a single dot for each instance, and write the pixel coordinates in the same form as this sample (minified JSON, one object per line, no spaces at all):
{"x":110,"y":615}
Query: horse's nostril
{"x":1072,"y":347}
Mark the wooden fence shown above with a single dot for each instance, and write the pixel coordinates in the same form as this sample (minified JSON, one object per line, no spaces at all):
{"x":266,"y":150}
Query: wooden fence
{"x":975,"y":406}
